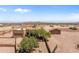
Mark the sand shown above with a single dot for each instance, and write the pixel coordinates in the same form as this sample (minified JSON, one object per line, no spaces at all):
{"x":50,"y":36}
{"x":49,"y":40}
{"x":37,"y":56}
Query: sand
{"x":66,"y":41}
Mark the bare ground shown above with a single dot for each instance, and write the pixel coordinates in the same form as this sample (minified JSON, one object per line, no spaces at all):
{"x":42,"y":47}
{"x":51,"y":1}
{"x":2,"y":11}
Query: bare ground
{"x":66,"y":41}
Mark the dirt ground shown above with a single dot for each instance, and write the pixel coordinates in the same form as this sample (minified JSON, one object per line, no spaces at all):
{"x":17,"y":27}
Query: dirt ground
{"x":66,"y":41}
{"x":7,"y":50}
{"x":42,"y":48}
{"x":7,"y":43}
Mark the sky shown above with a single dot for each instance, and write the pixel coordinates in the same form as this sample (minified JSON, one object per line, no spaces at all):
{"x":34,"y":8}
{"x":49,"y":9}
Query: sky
{"x":39,"y":13}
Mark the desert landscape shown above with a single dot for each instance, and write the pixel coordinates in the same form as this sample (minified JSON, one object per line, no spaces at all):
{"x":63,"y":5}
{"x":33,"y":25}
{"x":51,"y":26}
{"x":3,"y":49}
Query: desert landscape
{"x":39,"y":29}
{"x":63,"y":39}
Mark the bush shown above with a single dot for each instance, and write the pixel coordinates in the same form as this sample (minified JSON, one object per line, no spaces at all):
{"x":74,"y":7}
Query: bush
{"x":27,"y":44}
{"x":73,"y":28}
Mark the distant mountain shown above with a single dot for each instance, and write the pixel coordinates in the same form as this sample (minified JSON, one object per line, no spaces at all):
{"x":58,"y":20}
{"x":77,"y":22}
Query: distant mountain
{"x":39,"y":23}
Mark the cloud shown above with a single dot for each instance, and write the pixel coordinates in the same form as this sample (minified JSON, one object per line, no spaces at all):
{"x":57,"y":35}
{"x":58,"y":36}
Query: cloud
{"x":2,"y":9}
{"x":22,"y":10}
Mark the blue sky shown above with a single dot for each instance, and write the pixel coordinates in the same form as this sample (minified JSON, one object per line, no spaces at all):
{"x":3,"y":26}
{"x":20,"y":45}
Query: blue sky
{"x":42,"y":13}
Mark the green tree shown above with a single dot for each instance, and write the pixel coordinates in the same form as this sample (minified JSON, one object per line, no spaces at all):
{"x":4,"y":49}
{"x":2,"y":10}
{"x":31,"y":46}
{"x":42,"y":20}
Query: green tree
{"x":39,"y":33}
{"x":27,"y":45}
{"x":42,"y":33}
{"x":30,"y":42}
{"x":31,"y":33}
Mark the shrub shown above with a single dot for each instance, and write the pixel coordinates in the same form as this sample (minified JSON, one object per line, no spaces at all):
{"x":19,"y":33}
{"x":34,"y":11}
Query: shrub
{"x":73,"y":28}
{"x":27,"y":44}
